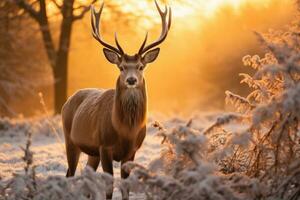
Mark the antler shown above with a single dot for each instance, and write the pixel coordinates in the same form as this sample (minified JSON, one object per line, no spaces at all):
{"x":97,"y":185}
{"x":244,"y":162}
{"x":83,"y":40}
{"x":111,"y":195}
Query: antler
{"x":165,"y":29}
{"x":95,"y":19}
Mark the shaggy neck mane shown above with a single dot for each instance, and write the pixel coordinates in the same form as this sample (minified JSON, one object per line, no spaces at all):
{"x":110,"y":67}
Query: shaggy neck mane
{"x":130,"y":104}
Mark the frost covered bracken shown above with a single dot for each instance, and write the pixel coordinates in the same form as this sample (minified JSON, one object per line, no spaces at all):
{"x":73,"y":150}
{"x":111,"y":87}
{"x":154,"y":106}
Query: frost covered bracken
{"x":272,"y":153}
{"x":88,"y":185}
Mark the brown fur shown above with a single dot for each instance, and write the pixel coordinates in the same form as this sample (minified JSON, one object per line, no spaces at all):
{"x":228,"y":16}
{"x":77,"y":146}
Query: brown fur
{"x":113,"y":119}
{"x":131,"y":101}
{"x":111,"y":124}
{"x":105,"y":124}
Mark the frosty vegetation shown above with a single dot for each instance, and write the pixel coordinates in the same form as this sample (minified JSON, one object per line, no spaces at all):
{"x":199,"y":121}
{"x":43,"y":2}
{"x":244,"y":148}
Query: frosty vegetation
{"x":253,"y":153}
{"x":260,"y":160}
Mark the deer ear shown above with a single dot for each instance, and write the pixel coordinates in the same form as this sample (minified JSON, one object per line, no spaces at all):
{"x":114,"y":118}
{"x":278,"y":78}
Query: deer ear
{"x":150,"y":56}
{"x":111,"y":56}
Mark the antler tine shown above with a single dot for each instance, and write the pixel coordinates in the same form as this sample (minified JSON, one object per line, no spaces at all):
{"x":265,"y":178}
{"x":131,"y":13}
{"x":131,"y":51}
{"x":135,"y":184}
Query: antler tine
{"x":95,"y":19}
{"x":170,"y":18}
{"x":165,"y":29}
{"x":143,"y":44}
{"x":118,"y":44}
{"x":96,"y":15}
{"x":159,"y":10}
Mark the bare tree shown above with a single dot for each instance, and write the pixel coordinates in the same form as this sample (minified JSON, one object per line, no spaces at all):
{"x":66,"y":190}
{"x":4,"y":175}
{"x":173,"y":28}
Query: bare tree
{"x":58,"y":57}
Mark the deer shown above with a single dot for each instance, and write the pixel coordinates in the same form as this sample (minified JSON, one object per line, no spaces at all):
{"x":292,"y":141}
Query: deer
{"x":110,"y":124}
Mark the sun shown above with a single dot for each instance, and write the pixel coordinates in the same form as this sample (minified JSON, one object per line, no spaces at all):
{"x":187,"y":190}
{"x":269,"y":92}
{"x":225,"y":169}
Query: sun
{"x":187,"y":10}
{"x":212,"y":6}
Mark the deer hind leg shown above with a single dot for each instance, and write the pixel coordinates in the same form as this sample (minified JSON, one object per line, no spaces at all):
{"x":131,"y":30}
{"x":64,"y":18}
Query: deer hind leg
{"x":93,"y":162}
{"x":124,"y":175}
{"x":107,"y":166}
{"x":73,"y":153}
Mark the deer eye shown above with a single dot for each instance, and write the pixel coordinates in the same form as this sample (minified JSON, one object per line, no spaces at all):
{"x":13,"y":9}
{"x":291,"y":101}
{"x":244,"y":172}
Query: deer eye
{"x":141,"y":68}
{"x":121,"y":69}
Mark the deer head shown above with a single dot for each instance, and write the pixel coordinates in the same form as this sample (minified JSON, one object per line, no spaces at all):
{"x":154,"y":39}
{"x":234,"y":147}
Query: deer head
{"x":131,"y":67}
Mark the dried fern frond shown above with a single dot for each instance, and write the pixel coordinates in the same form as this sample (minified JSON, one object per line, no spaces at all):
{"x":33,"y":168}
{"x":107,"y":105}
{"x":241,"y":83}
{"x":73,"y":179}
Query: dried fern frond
{"x":240,"y":103}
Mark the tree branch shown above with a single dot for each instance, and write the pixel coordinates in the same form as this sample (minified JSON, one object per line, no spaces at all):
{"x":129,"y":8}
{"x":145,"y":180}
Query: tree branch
{"x":84,"y":10}
{"x":28,"y":8}
{"x":79,"y":7}
{"x":56,"y":4}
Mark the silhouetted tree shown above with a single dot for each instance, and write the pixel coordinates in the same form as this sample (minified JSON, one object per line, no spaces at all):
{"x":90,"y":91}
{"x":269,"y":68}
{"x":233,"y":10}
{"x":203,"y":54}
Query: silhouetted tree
{"x":58,"y":57}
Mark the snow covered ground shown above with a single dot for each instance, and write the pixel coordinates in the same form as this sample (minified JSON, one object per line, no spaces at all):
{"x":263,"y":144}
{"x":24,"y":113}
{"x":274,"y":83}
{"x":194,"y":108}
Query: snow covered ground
{"x":49,"y":152}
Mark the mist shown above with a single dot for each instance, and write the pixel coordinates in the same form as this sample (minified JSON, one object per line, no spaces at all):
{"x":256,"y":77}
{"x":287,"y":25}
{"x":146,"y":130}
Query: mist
{"x":198,"y":62}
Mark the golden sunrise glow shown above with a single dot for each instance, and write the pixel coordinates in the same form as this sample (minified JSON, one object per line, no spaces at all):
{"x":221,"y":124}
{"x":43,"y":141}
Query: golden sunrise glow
{"x":207,"y":40}
{"x":198,"y":61}
{"x":187,"y":12}
{"x":212,"y":6}
{"x":183,"y":10}
{"x":86,"y":90}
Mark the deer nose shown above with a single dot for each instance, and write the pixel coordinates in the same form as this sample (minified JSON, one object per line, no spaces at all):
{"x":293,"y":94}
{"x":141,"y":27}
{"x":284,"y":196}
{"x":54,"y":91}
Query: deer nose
{"x":131,"y":80}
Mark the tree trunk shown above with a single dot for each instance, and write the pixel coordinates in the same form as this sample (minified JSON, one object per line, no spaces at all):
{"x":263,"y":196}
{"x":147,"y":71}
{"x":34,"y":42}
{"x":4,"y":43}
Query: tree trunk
{"x":59,"y":58}
{"x":48,"y":42}
{"x":61,"y":66}
{"x":60,"y":86}
{"x":46,"y":34}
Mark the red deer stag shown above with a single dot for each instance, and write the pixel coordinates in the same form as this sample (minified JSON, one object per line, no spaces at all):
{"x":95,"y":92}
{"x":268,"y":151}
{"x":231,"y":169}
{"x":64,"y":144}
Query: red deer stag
{"x":111,"y":124}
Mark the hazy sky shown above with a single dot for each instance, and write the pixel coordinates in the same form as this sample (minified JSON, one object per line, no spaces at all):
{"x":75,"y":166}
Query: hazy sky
{"x":199,"y":60}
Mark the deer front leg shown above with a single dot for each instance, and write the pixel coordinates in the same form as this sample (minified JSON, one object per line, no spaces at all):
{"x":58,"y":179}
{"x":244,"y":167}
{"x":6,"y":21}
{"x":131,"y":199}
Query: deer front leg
{"x":124,"y":175}
{"x":107,"y":166}
{"x":93,"y":162}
